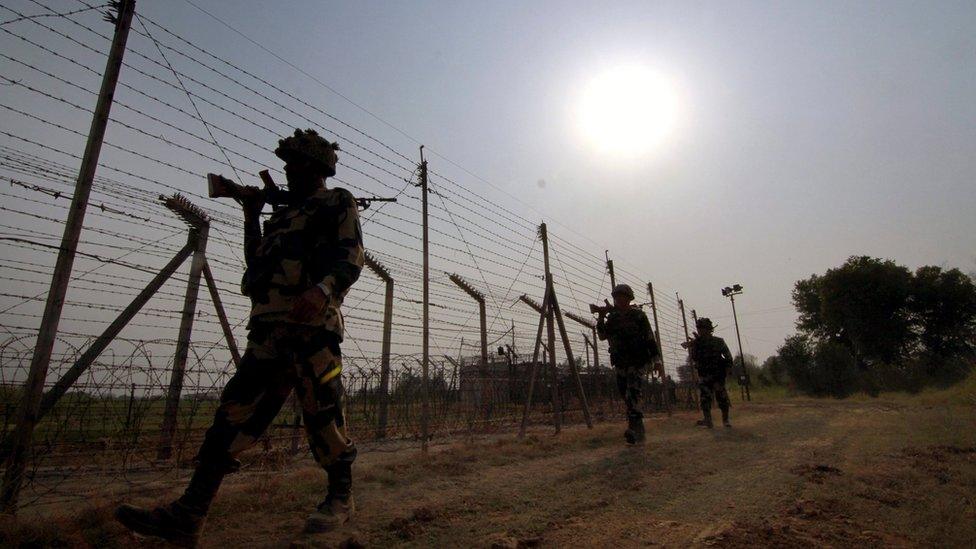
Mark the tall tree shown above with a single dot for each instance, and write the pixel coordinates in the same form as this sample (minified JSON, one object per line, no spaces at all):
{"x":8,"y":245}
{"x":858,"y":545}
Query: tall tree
{"x":863,"y":305}
{"x":943,"y":305}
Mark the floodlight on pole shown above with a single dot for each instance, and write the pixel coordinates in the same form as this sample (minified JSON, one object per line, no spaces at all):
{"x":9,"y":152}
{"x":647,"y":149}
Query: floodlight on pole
{"x":730,"y":292}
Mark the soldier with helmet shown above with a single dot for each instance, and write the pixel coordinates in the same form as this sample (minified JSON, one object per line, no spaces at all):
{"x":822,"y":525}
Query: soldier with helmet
{"x":713,"y":361}
{"x":633,"y":348}
{"x":299,"y":269}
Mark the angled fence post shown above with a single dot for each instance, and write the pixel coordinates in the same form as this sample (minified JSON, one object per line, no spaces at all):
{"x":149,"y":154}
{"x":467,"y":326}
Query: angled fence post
{"x":484,"y":392}
{"x":534,"y":372}
{"x":384,"y":413}
{"x":594,"y":343}
{"x":221,"y":315}
{"x":199,"y":225}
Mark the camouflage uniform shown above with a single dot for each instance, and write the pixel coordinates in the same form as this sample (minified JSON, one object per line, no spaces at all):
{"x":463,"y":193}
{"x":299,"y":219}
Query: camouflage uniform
{"x":712,"y":360}
{"x":316,"y":242}
{"x":632,"y":349}
{"x":313,"y":241}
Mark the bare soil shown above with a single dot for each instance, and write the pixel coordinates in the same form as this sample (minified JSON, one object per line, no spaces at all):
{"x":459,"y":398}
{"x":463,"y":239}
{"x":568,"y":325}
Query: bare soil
{"x":791,"y":473}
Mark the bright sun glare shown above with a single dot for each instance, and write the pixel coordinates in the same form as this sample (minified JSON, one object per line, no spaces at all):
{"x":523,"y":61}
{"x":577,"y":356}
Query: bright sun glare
{"x":628,"y":111}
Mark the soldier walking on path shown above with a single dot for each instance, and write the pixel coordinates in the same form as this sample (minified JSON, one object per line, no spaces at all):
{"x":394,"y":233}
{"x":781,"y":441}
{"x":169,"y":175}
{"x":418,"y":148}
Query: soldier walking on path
{"x":713,"y":362}
{"x":299,"y":269}
{"x":633,"y":348}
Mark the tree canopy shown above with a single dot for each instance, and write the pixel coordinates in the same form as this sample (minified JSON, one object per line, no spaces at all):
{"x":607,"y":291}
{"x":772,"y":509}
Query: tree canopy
{"x":873,"y":315}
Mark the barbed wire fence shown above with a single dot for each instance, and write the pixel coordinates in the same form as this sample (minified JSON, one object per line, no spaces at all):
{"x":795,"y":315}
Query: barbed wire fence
{"x":179,"y":112}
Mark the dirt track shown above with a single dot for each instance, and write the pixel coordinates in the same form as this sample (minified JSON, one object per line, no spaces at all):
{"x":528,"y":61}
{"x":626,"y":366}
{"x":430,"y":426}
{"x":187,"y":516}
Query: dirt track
{"x":792,"y":473}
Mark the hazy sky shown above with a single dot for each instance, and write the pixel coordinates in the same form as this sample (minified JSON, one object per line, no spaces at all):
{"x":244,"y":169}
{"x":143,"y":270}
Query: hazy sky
{"x":808,"y":131}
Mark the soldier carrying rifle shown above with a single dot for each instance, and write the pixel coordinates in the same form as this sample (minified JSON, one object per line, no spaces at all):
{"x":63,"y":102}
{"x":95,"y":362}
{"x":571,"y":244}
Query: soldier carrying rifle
{"x":633,"y":348}
{"x":713,"y":361}
{"x":299,"y":269}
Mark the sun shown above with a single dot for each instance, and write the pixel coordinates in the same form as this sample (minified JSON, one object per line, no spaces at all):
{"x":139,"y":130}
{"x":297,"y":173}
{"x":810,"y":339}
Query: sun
{"x":628,"y":111}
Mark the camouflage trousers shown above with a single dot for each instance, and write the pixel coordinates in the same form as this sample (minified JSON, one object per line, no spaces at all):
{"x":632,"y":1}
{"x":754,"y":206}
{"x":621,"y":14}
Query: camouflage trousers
{"x":281,"y":357}
{"x":712,"y":387}
{"x":630,"y":385}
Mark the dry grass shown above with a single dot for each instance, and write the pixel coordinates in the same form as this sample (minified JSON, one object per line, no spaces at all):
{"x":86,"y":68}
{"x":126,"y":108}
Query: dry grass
{"x":897,"y":471}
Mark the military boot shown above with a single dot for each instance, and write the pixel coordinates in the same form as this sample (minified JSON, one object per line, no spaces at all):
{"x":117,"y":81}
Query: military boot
{"x":630,"y":436}
{"x":332,"y":513}
{"x":634,"y":432}
{"x":641,"y":434}
{"x":706,"y":421}
{"x":179,"y":522}
{"x":175,"y":523}
{"x":725,"y":418}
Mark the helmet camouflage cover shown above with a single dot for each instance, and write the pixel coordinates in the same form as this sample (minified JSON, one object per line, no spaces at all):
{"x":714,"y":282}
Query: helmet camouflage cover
{"x":310,"y":145}
{"x":623,"y":289}
{"x":704,"y":323}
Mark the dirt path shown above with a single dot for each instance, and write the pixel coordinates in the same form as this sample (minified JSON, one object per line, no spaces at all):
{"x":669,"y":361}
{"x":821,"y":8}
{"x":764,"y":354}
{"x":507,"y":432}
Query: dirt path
{"x":794,"y":473}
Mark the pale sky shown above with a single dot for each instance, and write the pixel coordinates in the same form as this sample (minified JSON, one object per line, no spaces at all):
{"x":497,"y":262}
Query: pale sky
{"x":807,"y":131}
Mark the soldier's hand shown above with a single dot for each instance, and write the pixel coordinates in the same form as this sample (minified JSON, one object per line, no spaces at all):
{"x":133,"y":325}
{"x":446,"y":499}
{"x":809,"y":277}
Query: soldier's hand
{"x":252,"y":200}
{"x":309,"y":304}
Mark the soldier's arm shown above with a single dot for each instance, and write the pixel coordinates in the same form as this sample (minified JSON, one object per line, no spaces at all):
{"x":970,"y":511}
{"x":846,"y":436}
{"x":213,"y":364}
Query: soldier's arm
{"x":726,"y":353}
{"x":601,"y":327}
{"x":252,"y":231}
{"x":652,"y":349}
{"x":342,"y":264}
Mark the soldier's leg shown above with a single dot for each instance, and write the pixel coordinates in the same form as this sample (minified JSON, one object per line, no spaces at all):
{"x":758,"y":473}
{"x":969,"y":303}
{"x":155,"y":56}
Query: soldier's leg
{"x":705,"y":397}
{"x":320,"y":391}
{"x":635,"y":389}
{"x":621,"y":378}
{"x":623,"y":388}
{"x":248,"y":404}
{"x":722,"y":396}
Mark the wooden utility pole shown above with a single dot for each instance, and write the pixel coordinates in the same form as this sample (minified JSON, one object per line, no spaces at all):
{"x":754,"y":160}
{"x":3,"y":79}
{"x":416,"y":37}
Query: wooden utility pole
{"x":551,"y":315}
{"x":691,"y":364}
{"x":384,"y":413}
{"x":425,"y":388}
{"x":550,"y":329}
{"x":613,"y":279}
{"x":694,"y":317}
{"x":660,"y":350}
{"x":684,"y":319}
{"x":557,"y":401}
{"x":512,"y":369}
{"x":47,"y":333}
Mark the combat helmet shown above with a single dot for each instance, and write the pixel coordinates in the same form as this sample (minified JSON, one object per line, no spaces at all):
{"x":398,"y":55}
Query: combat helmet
{"x":310,"y":145}
{"x":623,"y":289}
{"x":704,"y":324}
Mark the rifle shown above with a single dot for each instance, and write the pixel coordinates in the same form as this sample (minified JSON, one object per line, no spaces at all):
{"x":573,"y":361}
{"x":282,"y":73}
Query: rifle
{"x":221,"y":187}
{"x":601,"y":309}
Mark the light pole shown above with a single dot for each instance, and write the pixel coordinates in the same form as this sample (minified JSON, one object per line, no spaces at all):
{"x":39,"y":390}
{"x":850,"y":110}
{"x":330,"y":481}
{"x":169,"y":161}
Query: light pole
{"x":730,"y":292}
